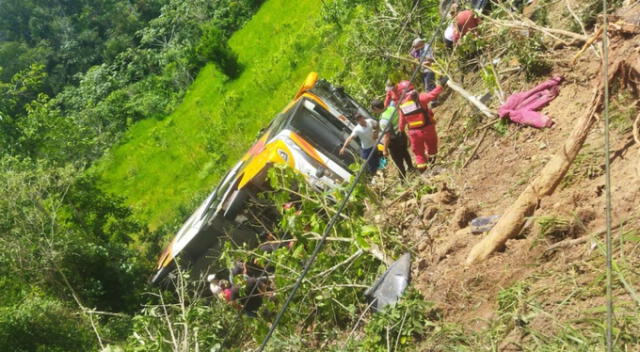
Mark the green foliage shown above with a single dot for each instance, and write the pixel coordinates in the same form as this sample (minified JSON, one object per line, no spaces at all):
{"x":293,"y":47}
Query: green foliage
{"x":400,"y":326}
{"x":502,"y":127}
{"x":61,"y":233}
{"x":510,"y":299}
{"x":39,"y":323}
{"x":528,"y":49}
{"x":105,"y":65}
{"x":586,"y":165}
{"x":623,"y":110}
{"x":214,"y":47}
{"x":217,"y":119}
{"x":197,"y":323}
{"x":70,"y":36}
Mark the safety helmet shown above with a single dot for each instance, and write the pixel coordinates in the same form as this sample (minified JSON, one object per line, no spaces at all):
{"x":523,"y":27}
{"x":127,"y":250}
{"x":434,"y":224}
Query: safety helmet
{"x":404,"y":86}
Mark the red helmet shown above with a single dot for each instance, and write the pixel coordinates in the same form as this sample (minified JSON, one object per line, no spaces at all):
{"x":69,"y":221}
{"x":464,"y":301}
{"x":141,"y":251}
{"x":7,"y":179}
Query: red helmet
{"x":404,"y":86}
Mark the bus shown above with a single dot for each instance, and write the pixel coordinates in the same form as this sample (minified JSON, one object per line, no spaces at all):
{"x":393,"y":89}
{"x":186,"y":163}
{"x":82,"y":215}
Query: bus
{"x":307,"y":137}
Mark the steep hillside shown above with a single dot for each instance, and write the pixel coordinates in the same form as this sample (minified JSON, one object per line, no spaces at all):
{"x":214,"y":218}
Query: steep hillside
{"x":161,"y":164}
{"x":543,"y":291}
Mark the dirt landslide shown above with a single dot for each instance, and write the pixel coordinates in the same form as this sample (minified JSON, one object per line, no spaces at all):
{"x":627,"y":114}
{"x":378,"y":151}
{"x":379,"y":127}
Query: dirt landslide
{"x":557,"y":261}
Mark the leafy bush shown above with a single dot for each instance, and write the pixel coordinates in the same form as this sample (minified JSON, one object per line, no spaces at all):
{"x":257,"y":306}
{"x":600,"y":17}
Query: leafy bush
{"x":528,"y":49}
{"x":40,"y":323}
{"x":213,"y":47}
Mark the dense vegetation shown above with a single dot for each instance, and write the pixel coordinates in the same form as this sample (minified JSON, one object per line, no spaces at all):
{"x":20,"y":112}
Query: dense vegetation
{"x":74,"y":75}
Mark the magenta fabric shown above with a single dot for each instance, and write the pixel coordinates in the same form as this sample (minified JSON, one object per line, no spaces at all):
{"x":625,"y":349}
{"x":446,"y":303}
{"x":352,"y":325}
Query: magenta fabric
{"x":521,"y":107}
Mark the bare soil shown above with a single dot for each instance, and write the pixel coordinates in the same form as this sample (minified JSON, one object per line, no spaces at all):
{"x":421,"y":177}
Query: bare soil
{"x":439,"y":232}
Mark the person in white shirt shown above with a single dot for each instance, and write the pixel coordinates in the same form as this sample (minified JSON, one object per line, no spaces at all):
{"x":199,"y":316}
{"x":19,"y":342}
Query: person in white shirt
{"x":366,"y":130}
{"x":449,"y":35}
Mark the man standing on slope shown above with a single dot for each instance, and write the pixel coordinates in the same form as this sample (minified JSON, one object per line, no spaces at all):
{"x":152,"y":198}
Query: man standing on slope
{"x":420,"y":49}
{"x":416,"y":115}
{"x":395,"y":143}
{"x":366,"y":131}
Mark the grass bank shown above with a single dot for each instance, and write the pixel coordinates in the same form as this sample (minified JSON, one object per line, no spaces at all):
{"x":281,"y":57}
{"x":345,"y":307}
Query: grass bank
{"x":162,"y":166}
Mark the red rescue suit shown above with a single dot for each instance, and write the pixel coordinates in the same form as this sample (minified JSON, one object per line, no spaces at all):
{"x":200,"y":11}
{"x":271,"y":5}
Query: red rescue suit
{"x":418,"y":118}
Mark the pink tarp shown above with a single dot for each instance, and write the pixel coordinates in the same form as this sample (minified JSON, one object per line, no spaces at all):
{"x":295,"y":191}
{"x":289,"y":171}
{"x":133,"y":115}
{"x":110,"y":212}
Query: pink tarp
{"x":521,"y":107}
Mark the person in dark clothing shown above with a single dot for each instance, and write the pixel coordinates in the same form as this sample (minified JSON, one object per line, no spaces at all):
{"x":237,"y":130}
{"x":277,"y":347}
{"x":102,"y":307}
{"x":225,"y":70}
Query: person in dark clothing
{"x":395,"y":142}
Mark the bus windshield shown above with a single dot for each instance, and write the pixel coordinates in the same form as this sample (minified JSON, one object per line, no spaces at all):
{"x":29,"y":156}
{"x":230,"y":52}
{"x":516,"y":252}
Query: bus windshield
{"x":324,"y":131}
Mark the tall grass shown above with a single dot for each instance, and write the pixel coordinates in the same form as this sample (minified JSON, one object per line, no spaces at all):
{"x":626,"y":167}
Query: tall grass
{"x":161,"y":164}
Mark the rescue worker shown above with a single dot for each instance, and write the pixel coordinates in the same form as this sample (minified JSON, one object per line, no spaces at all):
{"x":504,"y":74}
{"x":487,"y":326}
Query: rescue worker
{"x":366,"y":130}
{"x":417,"y":117}
{"x":391,"y":96}
{"x":465,"y":21}
{"x":462,"y":23}
{"x":420,"y":49}
{"x":395,"y":143}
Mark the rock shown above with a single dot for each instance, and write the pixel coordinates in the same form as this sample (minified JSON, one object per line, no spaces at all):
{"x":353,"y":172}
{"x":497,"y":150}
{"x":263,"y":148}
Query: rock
{"x":484,"y":223}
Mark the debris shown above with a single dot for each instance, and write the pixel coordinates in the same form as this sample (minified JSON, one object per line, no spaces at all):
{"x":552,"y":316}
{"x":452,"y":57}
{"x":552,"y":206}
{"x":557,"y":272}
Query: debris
{"x":483,"y":223}
{"x":444,"y":196}
{"x":587,"y":44}
{"x":521,"y":107}
{"x":527,"y":24}
{"x":388,"y":288}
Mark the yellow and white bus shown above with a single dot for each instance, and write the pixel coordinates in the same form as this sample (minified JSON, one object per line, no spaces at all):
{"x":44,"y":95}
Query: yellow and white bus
{"x":307,"y":136}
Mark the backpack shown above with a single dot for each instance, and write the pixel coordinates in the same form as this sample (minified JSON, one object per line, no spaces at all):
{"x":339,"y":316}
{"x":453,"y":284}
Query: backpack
{"x":415,"y":115}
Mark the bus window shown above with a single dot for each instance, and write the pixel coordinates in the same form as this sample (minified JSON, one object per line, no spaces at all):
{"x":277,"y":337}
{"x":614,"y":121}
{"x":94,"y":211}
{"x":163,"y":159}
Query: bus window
{"x":324,"y":131}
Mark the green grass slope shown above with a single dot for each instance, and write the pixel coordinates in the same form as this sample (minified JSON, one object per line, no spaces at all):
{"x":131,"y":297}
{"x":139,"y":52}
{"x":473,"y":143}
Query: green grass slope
{"x":161,"y":166}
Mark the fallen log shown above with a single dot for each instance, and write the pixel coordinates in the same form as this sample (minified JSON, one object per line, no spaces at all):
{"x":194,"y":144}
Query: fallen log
{"x":624,"y":64}
{"x":472,"y":99}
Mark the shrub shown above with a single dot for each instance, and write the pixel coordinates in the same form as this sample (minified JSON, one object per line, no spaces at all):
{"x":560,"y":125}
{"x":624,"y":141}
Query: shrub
{"x":43,"y":324}
{"x":214,"y":47}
